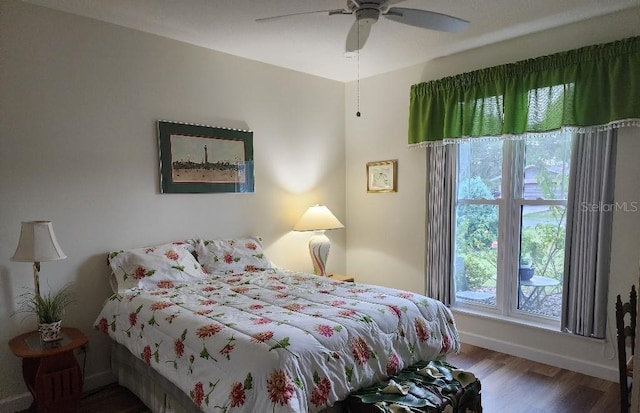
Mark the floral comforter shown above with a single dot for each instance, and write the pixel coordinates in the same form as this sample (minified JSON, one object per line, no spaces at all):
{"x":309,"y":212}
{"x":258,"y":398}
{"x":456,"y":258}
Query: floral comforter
{"x":276,"y":341}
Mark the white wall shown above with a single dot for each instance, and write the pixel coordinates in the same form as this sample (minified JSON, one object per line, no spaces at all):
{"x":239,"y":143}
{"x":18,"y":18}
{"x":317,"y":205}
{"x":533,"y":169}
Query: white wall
{"x":385,"y":237}
{"x":79,"y":101}
{"x":78,"y":104}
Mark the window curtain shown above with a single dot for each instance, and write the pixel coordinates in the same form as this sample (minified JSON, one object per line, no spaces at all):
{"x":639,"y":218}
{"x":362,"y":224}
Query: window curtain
{"x":589,"y":232}
{"x":441,"y":174}
{"x":591,"y":86}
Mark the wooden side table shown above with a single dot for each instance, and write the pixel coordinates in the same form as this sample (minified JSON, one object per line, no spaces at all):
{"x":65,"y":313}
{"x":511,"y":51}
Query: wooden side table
{"x":51,"y":370}
{"x":343,"y":278}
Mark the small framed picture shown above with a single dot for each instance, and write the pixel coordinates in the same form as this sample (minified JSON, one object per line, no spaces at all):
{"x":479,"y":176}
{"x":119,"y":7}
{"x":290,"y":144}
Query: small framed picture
{"x":382,"y":176}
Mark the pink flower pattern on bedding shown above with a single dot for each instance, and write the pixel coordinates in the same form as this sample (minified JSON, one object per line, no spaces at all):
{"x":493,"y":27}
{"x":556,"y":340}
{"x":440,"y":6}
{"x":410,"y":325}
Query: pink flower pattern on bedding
{"x":151,"y":267}
{"x":231,"y":256}
{"x":276,"y":340}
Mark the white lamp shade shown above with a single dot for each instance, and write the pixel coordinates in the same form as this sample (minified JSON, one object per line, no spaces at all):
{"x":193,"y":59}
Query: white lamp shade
{"x":317,"y":218}
{"x":37,"y":243}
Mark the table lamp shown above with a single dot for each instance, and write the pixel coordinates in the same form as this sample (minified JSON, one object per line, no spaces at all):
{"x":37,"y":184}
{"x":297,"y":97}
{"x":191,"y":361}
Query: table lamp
{"x":318,"y":218}
{"x":37,"y":243}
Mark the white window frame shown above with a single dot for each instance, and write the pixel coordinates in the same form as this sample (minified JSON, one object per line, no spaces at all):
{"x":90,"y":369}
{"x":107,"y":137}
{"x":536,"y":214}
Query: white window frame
{"x":509,"y":232}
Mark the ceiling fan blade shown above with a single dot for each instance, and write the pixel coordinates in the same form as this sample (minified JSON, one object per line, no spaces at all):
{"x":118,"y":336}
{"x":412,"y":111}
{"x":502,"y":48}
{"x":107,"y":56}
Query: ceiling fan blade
{"x":330,"y":12}
{"x":426,"y":19}
{"x":355,"y":40}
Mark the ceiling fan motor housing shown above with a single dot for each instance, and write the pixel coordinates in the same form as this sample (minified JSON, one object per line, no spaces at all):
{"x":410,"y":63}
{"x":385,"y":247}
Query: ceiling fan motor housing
{"x":367,"y":15}
{"x":368,"y":11}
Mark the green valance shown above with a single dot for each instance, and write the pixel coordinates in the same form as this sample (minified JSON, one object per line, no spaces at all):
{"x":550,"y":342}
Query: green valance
{"x":592,"y":86}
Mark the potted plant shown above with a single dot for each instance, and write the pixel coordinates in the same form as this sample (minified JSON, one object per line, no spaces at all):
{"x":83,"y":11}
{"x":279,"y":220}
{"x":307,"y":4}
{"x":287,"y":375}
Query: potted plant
{"x":526,"y":270}
{"x":49,"y":309}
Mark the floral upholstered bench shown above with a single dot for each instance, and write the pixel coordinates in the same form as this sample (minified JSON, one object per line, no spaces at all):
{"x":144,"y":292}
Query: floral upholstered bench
{"x":431,"y":387}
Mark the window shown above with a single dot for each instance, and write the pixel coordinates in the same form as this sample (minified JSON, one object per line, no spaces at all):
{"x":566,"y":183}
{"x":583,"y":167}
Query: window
{"x":501,"y":220}
{"x":510,"y":225}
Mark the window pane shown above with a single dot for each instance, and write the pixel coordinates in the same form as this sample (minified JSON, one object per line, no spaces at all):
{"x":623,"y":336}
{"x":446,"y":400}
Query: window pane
{"x":546,"y":171}
{"x":479,"y":169}
{"x":542,"y":259}
{"x":476,"y":253}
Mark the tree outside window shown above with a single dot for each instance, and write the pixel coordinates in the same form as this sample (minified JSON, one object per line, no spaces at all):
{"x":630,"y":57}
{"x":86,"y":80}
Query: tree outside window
{"x":528,"y":211}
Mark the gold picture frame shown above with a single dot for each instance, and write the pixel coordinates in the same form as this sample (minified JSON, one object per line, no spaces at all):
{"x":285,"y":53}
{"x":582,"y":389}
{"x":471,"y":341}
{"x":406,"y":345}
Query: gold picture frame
{"x":382,"y":176}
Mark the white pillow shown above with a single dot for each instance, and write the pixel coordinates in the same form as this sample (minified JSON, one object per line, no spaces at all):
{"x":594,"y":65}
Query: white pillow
{"x":232,"y":256}
{"x":156,"y":266}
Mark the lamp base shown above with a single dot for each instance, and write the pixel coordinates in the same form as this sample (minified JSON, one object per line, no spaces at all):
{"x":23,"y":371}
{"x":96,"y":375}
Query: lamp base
{"x":36,"y":278}
{"x":319,"y":246}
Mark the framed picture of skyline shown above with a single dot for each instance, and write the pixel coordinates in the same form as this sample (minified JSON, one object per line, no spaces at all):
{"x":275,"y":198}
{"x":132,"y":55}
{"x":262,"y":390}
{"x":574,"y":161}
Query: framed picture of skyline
{"x":199,"y":159}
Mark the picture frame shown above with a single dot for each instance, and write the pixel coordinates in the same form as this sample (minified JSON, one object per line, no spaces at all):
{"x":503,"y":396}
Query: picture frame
{"x":382,"y":176}
{"x":202,"y":159}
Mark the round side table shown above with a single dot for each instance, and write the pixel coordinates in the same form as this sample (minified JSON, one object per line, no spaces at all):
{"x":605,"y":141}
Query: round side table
{"x":343,"y":278}
{"x":51,"y":370}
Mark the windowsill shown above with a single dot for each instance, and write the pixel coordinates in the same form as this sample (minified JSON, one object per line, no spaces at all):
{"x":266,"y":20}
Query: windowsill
{"x":544,"y":324}
{"x":552,"y":326}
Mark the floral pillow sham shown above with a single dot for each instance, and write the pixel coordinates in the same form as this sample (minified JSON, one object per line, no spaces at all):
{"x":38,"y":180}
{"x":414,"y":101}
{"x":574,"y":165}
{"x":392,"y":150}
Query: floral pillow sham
{"x":157,"y":266}
{"x":232,"y":256}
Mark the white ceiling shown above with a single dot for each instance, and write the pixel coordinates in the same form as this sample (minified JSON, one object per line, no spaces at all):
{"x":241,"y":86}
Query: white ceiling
{"x":314,"y":43}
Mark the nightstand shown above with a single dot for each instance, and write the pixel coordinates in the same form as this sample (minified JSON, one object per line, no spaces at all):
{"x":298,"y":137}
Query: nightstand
{"x":344,"y":278}
{"x":50,"y":370}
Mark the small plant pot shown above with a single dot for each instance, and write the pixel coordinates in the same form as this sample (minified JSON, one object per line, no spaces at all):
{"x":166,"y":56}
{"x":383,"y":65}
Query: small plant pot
{"x":526,"y":273}
{"x":50,"y":331}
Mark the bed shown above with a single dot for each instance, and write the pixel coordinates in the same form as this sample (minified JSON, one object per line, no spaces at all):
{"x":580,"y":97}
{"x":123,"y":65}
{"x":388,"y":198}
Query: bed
{"x":227,"y":331}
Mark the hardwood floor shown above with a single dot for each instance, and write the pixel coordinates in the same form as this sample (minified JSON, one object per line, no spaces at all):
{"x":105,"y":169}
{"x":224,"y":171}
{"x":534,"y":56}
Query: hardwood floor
{"x":509,"y":385}
{"x":514,"y":385}
{"x":111,"y":398}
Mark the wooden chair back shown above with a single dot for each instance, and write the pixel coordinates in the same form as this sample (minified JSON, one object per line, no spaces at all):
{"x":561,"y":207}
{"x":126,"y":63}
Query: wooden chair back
{"x":626,"y":335}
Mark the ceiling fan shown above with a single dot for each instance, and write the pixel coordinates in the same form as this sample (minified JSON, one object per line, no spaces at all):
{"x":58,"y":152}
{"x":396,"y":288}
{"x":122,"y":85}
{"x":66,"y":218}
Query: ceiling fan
{"x":368,"y":12}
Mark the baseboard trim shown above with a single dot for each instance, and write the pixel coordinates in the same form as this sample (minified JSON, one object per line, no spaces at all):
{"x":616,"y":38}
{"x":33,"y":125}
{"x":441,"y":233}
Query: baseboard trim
{"x":530,"y":353}
{"x":22,"y":401}
{"x":16,"y":403}
{"x":97,"y":380}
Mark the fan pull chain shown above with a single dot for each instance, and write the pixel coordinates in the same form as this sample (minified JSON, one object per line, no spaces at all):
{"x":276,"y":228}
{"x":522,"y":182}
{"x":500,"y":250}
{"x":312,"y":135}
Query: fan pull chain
{"x":358,"y":73}
{"x":358,"y":112}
